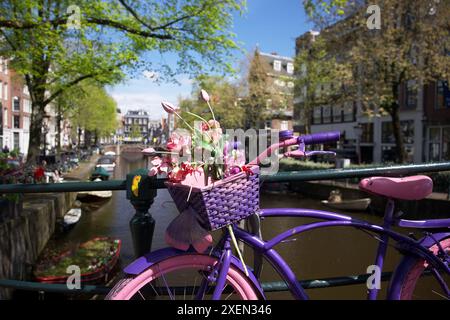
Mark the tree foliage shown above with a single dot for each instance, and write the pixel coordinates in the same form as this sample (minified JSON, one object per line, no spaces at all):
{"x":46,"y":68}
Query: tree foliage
{"x":258,"y":90}
{"x":55,"y":45}
{"x":412,"y":44}
{"x":319,"y":77}
{"x":92,"y":109}
{"x":225,"y":102}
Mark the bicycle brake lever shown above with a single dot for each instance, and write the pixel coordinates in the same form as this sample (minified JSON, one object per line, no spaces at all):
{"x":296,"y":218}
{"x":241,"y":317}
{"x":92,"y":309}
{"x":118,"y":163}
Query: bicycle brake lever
{"x":314,"y":153}
{"x":295,"y":154}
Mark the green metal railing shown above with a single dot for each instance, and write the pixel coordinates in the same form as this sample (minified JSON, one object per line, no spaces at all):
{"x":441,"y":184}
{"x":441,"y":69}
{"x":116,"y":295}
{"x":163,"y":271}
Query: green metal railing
{"x":309,"y":175}
{"x":142,"y":224}
{"x":275,"y":286}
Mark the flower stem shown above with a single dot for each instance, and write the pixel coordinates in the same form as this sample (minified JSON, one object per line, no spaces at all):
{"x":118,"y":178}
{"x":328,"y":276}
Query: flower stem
{"x":214,"y":118}
{"x":233,"y":239}
{"x":195,"y":115}
{"x":184,"y":121}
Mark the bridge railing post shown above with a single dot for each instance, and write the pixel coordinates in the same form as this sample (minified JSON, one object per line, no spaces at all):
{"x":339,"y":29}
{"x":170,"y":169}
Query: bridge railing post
{"x":141,"y":192}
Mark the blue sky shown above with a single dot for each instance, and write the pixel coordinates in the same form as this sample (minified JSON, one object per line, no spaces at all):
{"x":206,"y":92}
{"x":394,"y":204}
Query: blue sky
{"x":270,"y":24}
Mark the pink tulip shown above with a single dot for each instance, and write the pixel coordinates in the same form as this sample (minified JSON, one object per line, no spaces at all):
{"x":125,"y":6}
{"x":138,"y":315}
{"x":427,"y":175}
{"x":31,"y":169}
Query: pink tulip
{"x":153,"y":171}
{"x":214,"y":124}
{"x":156,"y":161}
{"x":148,"y":151}
{"x":204,"y":95}
{"x":168,"y":107}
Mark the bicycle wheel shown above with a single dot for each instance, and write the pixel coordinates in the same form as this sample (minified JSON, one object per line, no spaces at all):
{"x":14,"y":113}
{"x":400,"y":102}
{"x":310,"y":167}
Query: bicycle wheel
{"x":182,"y":277}
{"x":417,"y":285}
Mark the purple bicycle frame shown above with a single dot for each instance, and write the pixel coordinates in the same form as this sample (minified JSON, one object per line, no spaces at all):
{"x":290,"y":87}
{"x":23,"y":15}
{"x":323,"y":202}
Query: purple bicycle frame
{"x":266,"y":248}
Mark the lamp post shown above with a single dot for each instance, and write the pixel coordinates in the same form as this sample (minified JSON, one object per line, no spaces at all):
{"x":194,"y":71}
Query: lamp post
{"x":358,"y":132}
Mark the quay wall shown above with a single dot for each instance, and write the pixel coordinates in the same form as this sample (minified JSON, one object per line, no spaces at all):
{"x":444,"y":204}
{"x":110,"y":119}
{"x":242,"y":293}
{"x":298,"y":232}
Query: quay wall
{"x":24,"y":234}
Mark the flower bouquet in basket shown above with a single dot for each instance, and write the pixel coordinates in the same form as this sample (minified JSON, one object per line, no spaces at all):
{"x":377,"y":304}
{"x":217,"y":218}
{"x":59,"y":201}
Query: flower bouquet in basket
{"x":208,"y":180}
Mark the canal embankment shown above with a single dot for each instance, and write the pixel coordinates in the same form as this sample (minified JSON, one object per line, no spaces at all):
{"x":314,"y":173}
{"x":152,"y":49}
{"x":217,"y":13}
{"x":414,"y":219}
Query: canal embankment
{"x":25,"y":232}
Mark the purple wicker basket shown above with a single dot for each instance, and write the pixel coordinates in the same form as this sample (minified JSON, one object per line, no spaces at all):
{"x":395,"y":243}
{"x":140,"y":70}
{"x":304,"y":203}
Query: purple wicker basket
{"x":224,"y":202}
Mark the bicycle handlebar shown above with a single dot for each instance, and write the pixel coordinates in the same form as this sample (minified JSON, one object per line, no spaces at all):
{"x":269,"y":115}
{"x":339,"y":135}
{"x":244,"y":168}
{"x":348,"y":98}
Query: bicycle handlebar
{"x":288,"y":139}
{"x":320,"y":138}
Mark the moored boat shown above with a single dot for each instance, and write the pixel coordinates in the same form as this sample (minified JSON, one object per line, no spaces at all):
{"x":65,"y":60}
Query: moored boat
{"x":96,"y":259}
{"x":71,"y":218}
{"x":354,"y":205}
{"x":94,"y":196}
{"x":99,"y":173}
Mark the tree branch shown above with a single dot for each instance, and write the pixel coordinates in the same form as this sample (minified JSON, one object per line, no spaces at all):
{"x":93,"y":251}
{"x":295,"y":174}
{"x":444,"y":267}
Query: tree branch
{"x":134,"y":14}
{"x":76,"y":81}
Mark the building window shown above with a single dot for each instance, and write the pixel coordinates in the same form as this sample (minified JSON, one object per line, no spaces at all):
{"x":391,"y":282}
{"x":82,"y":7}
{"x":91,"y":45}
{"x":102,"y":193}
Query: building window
{"x":16,"y":104}
{"x":16,"y":145}
{"x":26,"y":106}
{"x":284,"y":125}
{"x":277,"y":65}
{"x":439,"y":143}
{"x":290,"y":68}
{"x":5,"y":94}
{"x":16,"y":122}
{"x":446,"y":143}
{"x":349,"y":112}
{"x":387,"y":132}
{"x":408,"y":131}
{"x":317,"y":115}
{"x":367,"y":132}
{"x":26,"y":123}
{"x":5,"y":66}
{"x":442,"y":95}
{"x":337,"y":114}
{"x":411,"y":94}
{"x":326,"y":114}
{"x":1,"y":91}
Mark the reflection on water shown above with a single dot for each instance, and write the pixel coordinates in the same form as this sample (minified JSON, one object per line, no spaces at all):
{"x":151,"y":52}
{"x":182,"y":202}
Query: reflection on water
{"x":318,"y":254}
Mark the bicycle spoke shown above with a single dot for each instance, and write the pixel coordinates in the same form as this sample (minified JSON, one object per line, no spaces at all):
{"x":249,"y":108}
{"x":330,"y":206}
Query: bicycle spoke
{"x":440,"y":295}
{"x":153,"y":289}
{"x":167,"y":286}
{"x":143,"y":298}
{"x":193,"y":291}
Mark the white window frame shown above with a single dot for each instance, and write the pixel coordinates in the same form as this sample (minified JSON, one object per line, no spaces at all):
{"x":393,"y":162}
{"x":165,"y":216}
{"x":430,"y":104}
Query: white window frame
{"x":290,"y":68}
{"x":27,"y":106}
{"x":13,"y":103}
{"x":1,"y":89}
{"x":277,"y":65}
{"x":5,"y":95}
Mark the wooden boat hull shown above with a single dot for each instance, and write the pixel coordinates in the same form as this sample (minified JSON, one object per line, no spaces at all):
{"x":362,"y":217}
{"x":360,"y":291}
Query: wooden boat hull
{"x":71,"y":218}
{"x":94,"y":196}
{"x":354,"y":205}
{"x":88,"y":277}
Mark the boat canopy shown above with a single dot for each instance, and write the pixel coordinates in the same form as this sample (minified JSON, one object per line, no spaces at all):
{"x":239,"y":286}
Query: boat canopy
{"x":100,"y":171}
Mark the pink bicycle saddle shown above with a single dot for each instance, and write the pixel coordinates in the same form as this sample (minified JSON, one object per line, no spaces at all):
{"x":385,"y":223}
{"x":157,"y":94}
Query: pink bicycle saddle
{"x":408,"y":188}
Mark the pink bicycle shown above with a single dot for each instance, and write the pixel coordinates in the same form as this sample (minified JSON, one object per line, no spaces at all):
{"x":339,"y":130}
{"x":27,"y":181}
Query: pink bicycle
{"x":218,"y":274}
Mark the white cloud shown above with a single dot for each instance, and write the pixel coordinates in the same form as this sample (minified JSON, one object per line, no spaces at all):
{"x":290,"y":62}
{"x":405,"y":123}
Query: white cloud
{"x":144,"y":94}
{"x":150,"y":102}
{"x":150,"y":75}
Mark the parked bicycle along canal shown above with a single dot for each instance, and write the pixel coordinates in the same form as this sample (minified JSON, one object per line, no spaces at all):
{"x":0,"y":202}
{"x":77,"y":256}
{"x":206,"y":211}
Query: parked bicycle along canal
{"x":320,"y":254}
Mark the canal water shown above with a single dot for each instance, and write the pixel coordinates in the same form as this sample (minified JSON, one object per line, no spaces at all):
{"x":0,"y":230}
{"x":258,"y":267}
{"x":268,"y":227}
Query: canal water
{"x":318,"y":254}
